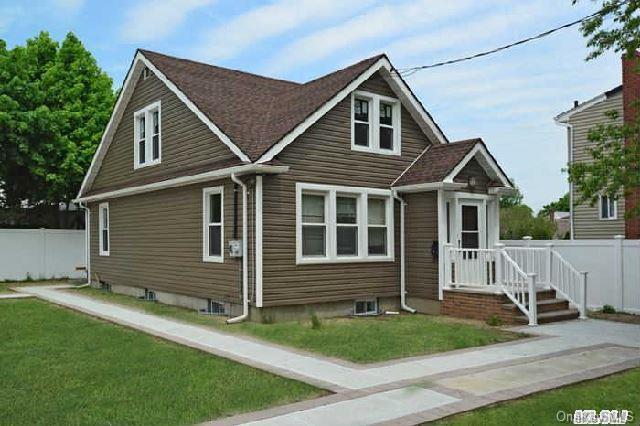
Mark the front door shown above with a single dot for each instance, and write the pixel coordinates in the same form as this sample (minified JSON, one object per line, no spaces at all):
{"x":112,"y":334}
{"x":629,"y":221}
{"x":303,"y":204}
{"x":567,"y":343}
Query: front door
{"x":471,"y":230}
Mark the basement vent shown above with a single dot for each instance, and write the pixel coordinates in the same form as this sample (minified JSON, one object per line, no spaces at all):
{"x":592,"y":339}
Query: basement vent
{"x":214,"y":308}
{"x":365,"y":307}
{"x":149,"y":295}
{"x":104,"y":286}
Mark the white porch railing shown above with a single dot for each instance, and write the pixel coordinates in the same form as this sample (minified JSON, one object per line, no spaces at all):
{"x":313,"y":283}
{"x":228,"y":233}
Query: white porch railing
{"x":518,"y":272}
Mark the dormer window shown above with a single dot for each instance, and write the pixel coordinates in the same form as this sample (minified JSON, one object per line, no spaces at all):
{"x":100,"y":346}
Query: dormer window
{"x":147,"y":136}
{"x":375,"y":123}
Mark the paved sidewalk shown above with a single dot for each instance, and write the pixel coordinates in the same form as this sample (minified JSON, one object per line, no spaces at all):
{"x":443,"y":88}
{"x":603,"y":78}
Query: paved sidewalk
{"x":15,"y":295}
{"x":404,"y":391}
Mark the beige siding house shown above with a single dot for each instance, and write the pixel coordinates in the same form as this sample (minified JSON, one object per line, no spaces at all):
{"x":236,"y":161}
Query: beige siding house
{"x":253,"y":197}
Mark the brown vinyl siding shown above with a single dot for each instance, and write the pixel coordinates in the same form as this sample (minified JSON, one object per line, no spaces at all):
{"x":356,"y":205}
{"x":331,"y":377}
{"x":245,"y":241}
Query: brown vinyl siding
{"x":421,"y":226}
{"x":474,"y":169}
{"x":156,"y":242}
{"x":323,"y":155}
{"x":187,"y":143}
{"x":586,"y":219}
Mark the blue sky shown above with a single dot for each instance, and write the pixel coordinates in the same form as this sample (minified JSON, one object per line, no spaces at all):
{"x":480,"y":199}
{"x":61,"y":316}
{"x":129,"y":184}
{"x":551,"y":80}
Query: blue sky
{"x":509,"y":99}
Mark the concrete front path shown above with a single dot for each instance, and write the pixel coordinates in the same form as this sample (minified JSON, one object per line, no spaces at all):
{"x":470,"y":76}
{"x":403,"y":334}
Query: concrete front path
{"x":404,"y":391}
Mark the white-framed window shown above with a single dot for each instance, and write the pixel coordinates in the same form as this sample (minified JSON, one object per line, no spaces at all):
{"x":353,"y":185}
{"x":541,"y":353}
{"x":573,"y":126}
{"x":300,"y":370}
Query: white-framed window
{"x":104,"y":229}
{"x":608,"y":207}
{"x":365,"y":307}
{"x":147,"y":148}
{"x":343,"y":224}
{"x":213,"y":224}
{"x":375,"y":123}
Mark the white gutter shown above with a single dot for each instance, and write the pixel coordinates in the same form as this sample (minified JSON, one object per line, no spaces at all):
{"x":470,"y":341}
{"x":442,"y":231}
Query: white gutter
{"x":569,"y":128}
{"x":403,"y":292}
{"x":186,"y":180}
{"x":430,"y":186}
{"x":87,"y":241}
{"x":245,"y":269}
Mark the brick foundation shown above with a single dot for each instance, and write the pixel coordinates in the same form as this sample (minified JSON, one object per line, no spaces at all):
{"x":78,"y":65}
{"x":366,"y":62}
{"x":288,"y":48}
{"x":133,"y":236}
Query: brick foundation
{"x":476,"y":305}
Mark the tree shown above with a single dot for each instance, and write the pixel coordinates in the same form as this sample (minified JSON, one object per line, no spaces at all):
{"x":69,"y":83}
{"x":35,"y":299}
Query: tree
{"x":615,"y":165}
{"x":54,"y":105}
{"x":507,"y":201}
{"x":518,"y":221}
{"x":561,"y":205}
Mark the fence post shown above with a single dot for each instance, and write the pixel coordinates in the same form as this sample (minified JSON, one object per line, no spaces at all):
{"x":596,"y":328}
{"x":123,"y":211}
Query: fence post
{"x":618,"y":271}
{"x":499,"y":264}
{"x":533,"y":299}
{"x":583,"y":302}
{"x":549,"y":256}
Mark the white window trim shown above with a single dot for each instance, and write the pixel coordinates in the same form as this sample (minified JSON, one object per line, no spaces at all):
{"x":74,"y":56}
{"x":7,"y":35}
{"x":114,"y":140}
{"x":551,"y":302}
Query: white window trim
{"x":362,"y":194}
{"x":374,"y":123}
{"x":205,"y":224}
{"x":148,"y":121}
{"x":615,"y":208}
{"x":367,"y":313}
{"x":101,"y":228}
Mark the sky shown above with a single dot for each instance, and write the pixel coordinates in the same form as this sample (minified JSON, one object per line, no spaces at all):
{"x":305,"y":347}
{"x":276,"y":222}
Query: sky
{"x":508,"y":99}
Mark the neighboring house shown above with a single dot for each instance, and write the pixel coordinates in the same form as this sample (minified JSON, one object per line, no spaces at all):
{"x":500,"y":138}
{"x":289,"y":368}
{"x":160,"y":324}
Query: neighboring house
{"x":607,"y":217}
{"x":562,"y":220}
{"x":240,"y":194}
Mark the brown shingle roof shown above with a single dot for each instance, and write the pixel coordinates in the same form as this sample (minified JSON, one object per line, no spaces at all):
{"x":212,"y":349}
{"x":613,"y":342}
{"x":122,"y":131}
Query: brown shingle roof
{"x":436,"y":162}
{"x":254,"y":111}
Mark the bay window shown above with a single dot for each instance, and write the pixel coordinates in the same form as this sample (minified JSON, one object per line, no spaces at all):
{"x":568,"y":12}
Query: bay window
{"x":213,"y":224}
{"x":343,"y":224}
{"x":147,"y":136}
{"x":375,"y":123}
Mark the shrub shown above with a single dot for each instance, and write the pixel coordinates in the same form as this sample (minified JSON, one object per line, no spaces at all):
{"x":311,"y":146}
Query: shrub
{"x":494,"y":320}
{"x":316,"y":324}
{"x":608,"y":309}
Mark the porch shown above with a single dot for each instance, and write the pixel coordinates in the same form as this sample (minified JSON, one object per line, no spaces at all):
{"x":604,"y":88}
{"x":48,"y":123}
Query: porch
{"x":462,"y":184}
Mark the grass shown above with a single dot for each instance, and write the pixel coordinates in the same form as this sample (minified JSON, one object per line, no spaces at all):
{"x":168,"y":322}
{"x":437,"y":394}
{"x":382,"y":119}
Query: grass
{"x":616,"y":392}
{"x":62,"y":367}
{"x":361,"y":340}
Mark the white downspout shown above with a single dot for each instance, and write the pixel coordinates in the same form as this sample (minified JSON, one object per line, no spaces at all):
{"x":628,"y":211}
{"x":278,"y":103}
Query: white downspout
{"x":403,"y":291}
{"x":87,"y":241}
{"x":245,"y":262}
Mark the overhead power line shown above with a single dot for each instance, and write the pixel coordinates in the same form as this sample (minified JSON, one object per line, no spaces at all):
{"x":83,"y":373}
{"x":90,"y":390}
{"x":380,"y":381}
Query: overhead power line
{"x":405,"y":72}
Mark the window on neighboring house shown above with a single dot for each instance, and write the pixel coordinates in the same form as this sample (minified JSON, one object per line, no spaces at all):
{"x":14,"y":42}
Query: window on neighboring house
{"x":148,"y":138}
{"x":375,"y":124}
{"x":343,"y":224}
{"x":377,"y":226}
{"x":314,"y":225}
{"x":213,"y":224}
{"x":103,"y":221}
{"x":608,"y":207}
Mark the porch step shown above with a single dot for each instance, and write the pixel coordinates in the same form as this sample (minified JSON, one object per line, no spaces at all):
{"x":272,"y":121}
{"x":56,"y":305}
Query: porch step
{"x":552,"y":316}
{"x":544,"y":305}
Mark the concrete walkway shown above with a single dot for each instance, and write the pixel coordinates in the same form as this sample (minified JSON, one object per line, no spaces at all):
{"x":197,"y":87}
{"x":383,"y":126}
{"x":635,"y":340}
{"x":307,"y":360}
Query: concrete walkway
{"x":405,"y":391}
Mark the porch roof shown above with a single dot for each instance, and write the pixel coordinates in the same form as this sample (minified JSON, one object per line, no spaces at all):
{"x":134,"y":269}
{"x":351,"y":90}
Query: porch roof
{"x":441,"y":163}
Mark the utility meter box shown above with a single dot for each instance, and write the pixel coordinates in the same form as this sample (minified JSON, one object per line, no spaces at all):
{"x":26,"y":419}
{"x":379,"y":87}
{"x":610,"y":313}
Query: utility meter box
{"x":235,"y":248}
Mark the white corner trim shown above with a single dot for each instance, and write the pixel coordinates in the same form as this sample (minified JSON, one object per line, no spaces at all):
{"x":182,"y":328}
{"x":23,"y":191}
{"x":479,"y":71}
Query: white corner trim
{"x":137,"y":65}
{"x":479,"y":149}
{"x":205,"y":224}
{"x":406,"y":97}
{"x":411,"y":165}
{"x":258,"y":248}
{"x":186,"y":180}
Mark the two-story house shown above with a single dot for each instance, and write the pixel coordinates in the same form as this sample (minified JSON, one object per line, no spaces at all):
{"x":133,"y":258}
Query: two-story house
{"x":256,"y":197}
{"x":606,"y":218}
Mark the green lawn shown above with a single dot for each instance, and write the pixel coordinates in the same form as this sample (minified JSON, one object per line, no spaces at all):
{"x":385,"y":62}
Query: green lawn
{"x":361,"y":340}
{"x":62,"y":367}
{"x":618,"y":392}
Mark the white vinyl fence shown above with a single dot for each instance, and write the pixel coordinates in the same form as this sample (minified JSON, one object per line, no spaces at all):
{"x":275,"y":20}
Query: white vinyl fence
{"x":613,"y":268}
{"x":41,"y":253}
